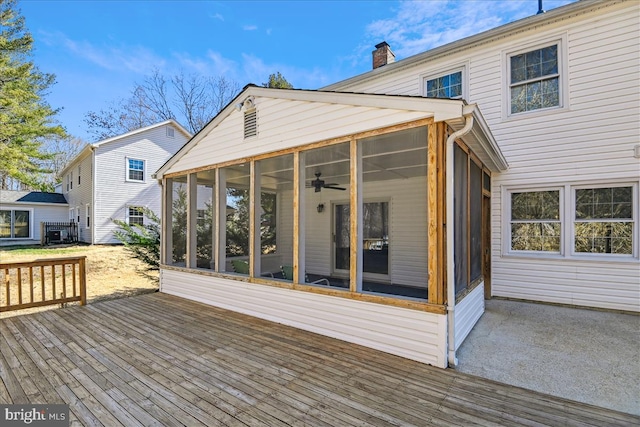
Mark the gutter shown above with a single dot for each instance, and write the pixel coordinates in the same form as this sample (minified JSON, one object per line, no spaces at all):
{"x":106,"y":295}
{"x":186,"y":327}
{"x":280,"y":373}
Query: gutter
{"x":451,"y":288}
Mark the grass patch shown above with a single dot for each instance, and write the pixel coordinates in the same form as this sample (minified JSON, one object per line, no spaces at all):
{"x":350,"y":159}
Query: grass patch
{"x":19,"y":251}
{"x":111,"y":271}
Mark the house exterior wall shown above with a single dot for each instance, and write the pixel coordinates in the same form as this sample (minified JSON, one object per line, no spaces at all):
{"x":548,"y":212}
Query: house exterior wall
{"x":407,"y":228}
{"x":277,"y":119}
{"x":80,"y":194}
{"x":589,"y":141}
{"x":408,"y":333}
{"x":467,"y":313}
{"x":38,"y":212}
{"x":113,"y":192}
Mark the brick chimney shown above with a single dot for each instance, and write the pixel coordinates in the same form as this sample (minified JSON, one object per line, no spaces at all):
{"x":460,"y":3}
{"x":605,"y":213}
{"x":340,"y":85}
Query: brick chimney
{"x":382,"y":55}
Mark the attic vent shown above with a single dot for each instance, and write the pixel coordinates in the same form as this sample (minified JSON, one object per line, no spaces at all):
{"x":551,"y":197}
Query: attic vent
{"x":170,"y":132}
{"x":250,"y":124}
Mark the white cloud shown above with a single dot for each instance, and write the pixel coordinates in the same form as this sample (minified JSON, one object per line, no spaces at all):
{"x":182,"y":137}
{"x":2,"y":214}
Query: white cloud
{"x":137,"y":59}
{"x":416,"y":26}
{"x":249,"y":27}
{"x":217,"y":16}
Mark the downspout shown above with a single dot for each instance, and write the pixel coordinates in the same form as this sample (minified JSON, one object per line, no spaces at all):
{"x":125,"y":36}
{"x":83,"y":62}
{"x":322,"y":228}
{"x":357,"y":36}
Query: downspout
{"x":94,"y":175}
{"x":451,"y":288}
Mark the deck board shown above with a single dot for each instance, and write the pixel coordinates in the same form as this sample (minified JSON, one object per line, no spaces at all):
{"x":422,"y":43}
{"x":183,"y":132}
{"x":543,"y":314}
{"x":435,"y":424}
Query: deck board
{"x":159,"y":360}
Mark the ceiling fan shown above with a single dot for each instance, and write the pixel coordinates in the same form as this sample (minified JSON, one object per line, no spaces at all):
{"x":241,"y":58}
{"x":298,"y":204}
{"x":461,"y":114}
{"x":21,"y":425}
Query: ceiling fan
{"x":319,"y":184}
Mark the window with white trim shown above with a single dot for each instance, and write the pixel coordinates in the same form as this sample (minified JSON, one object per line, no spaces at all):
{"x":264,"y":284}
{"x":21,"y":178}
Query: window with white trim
{"x":444,"y":86}
{"x":135,"y":170}
{"x":88,"y":215}
{"x":136,"y":215}
{"x":601,"y":219}
{"x":535,"y":221}
{"x":534,"y":79}
{"x":15,"y":224}
{"x":79,"y":173}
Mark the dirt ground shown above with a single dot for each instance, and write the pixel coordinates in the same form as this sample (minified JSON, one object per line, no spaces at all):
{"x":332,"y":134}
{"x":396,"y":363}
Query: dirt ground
{"x":111,"y":271}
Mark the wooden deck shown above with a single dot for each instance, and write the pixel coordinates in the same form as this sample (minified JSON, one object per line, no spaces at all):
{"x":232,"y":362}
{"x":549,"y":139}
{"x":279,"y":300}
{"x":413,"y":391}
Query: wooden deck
{"x":161,"y":360}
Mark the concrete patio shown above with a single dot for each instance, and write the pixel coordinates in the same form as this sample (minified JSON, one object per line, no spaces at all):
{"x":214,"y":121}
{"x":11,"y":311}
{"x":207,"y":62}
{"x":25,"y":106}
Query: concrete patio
{"x":585,"y":355}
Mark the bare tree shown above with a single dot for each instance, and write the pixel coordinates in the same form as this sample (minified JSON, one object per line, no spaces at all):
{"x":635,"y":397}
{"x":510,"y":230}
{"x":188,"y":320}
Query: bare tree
{"x":189,"y":99}
{"x":62,"y":151}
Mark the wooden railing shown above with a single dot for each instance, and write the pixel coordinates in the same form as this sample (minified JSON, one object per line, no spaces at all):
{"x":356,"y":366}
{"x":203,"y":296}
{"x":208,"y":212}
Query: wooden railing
{"x":43,"y":282}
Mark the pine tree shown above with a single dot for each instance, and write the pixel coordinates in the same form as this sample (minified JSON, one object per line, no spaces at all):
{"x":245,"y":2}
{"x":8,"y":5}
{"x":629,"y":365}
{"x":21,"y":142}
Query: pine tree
{"x":25,"y":118}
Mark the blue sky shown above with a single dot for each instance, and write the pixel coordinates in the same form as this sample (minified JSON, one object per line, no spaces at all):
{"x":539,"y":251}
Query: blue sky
{"x":99,"y":49}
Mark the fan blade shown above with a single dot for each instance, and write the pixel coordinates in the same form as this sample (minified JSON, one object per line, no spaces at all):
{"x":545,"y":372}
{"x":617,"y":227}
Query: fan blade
{"x":334,"y":188}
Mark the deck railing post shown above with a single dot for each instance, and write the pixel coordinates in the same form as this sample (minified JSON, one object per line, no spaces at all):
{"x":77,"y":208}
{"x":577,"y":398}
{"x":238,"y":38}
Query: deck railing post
{"x":83,"y":281}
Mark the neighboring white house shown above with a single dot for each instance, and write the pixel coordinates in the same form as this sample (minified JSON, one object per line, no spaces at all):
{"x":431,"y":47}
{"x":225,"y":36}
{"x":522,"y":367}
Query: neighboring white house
{"x":396,"y":212}
{"x":112,"y":179}
{"x":21,"y":213}
{"x":561,"y":94}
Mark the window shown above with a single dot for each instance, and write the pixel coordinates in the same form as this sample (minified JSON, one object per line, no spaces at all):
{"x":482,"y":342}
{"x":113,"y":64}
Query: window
{"x":79,"y":174}
{"x":534,"y":79}
{"x":604,"y":220}
{"x":15,"y":224}
{"x":535,"y":221}
{"x":88,"y":215}
{"x":447,"y":86}
{"x":71,"y":181}
{"x":601,"y":220}
{"x":136,"y":215}
{"x":78,"y":214}
{"x":135,"y":170}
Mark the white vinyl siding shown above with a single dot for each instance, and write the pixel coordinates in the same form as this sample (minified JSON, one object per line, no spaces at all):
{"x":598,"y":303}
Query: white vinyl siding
{"x":407,"y":243}
{"x":279,"y":120}
{"x":467,"y":313}
{"x":589,"y":140}
{"x":81,"y":195}
{"x":408,"y":333}
{"x":113,"y":194}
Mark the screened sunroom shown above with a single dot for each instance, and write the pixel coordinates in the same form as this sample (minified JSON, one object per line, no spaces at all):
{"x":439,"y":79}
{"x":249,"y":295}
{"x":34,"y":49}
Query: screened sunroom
{"x":328,"y":212}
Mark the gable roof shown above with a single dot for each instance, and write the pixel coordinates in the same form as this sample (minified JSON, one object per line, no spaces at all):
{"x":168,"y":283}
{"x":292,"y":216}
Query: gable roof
{"x":9,"y":196}
{"x":442,"y":109}
{"x":89,"y":147}
{"x":554,"y":15}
